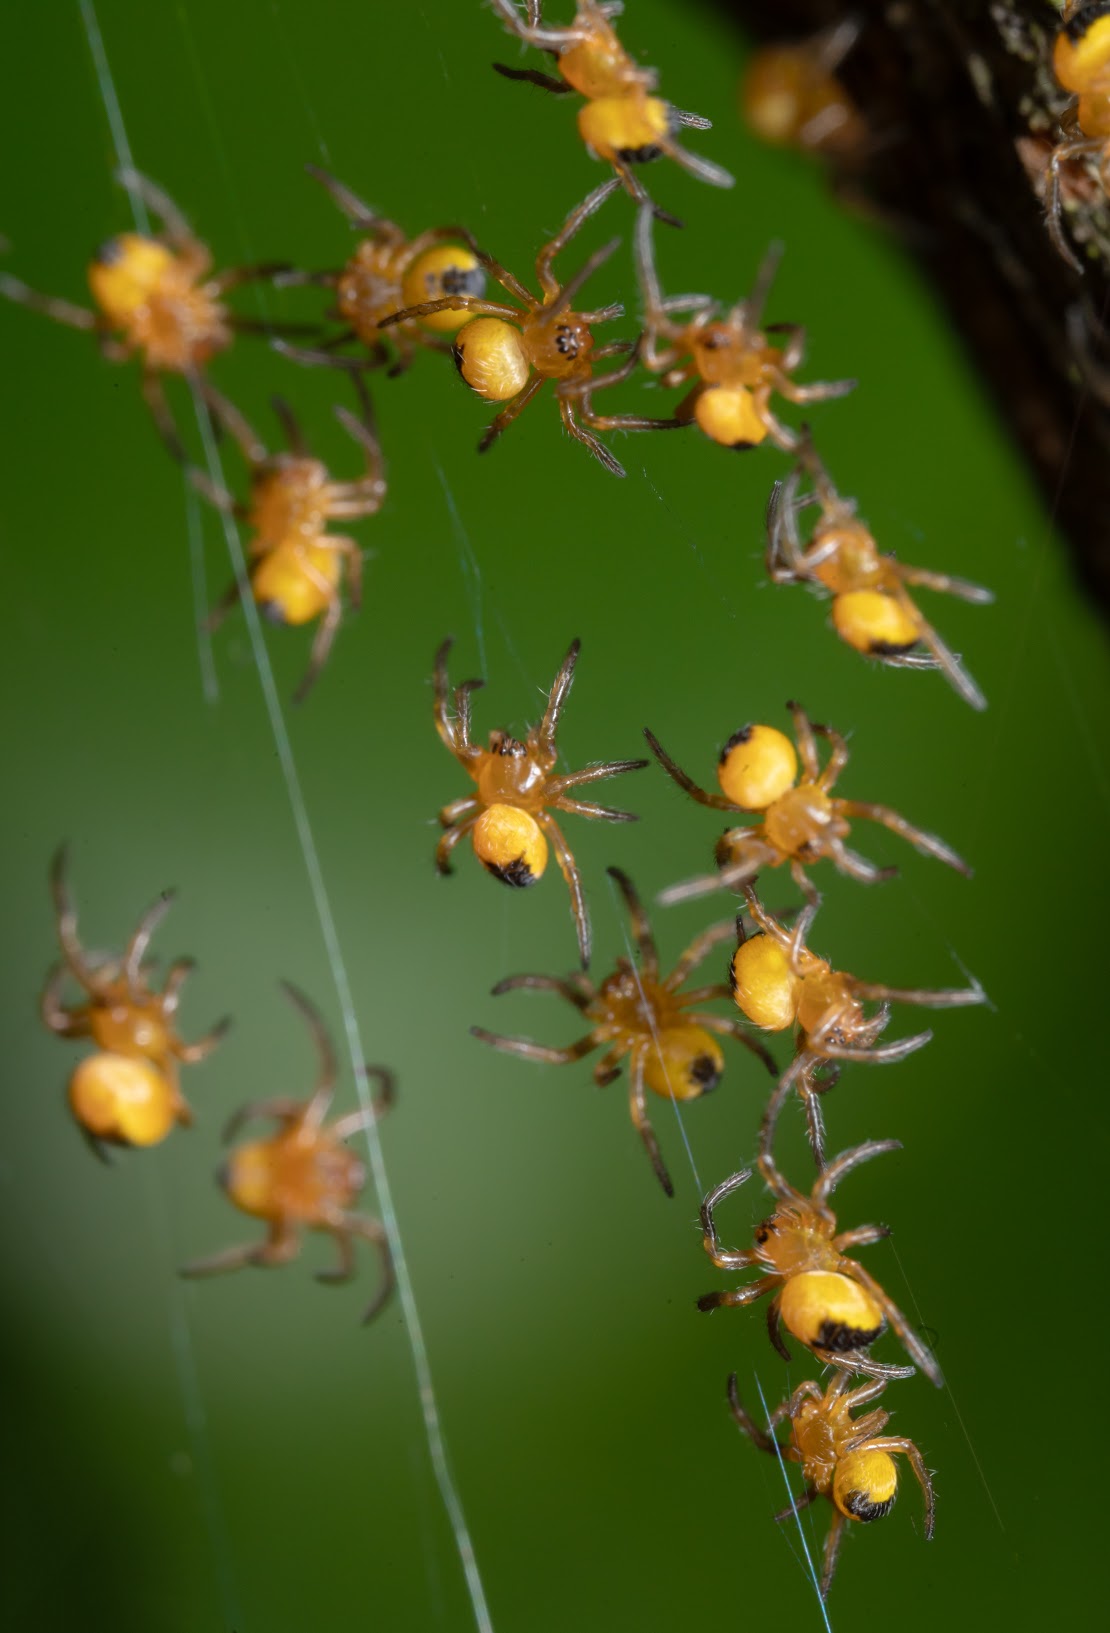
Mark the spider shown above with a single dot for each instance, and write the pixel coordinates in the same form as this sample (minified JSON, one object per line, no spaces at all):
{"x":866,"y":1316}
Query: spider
{"x":155,"y":297}
{"x":731,"y":368}
{"x":1081,"y":60}
{"x":298,"y":568}
{"x":127,"y":1093}
{"x":777,"y":983}
{"x":849,"y":1461}
{"x":639,"y":1013}
{"x":791,"y":97}
{"x":303,"y":1177}
{"x":507,"y":354}
{"x":621,"y":122}
{"x":387,"y":272}
{"x":509,"y":817}
{"x":800,"y":822}
{"x":828,"y":1302}
{"x":872,"y":610}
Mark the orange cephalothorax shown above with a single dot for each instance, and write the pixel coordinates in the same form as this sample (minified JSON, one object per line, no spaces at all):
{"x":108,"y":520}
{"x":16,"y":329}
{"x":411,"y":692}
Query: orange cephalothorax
{"x":731,"y":369}
{"x":825,"y":1299}
{"x":622,"y":122}
{"x":872,"y":610}
{"x":506,"y":353}
{"x":298,"y":569}
{"x":778,"y":983}
{"x":848,"y":1460}
{"x":127,"y":1094}
{"x":509,"y":817}
{"x":638,"y":1012}
{"x":801,"y":822}
{"x":303,"y":1177}
{"x":387,"y":271}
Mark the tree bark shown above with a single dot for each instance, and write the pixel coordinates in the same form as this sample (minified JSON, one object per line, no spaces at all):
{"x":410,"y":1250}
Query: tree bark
{"x":962,"y":111}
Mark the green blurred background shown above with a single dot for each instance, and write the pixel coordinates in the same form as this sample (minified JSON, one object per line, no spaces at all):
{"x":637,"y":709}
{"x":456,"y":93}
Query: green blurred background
{"x":241,"y":1454}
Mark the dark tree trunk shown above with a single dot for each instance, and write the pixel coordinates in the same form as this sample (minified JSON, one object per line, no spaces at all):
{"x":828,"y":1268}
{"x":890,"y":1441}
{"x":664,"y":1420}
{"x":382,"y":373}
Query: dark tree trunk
{"x":963,"y":111}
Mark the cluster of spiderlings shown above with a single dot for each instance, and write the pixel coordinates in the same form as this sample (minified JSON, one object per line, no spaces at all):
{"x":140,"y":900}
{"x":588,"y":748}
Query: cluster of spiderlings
{"x":157,"y":300}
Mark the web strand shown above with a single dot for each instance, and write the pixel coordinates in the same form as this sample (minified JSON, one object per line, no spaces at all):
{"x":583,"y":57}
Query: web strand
{"x":429,"y":1407}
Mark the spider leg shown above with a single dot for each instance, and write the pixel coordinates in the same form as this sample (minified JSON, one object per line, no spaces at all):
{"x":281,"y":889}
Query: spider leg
{"x":594,"y":773}
{"x":922,"y":1357}
{"x":322,"y":643}
{"x":808,"y":1496}
{"x":510,"y":412}
{"x":136,"y":948}
{"x":716,"y":802}
{"x":724,"y":1258}
{"x":845,"y":1162}
{"x":797,"y":1070}
{"x":154,"y":395}
{"x":587,"y":439}
{"x":944,"y":584}
{"x":704,"y":169}
{"x":283,"y":1110}
{"x":356,"y":1121}
{"x":374,"y":1232}
{"x":944,"y":658}
{"x":832,"y":1550}
{"x":66,"y":1023}
{"x":279,"y":1248}
{"x":317,"y":1106}
{"x":534,"y":76}
{"x":637,"y":1105}
{"x":807,"y":743}
{"x":898,"y":1443}
{"x":574,"y":994}
{"x":729,"y":1028}
{"x":883,"y":1055}
{"x":561,"y":296}
{"x":556,"y":698}
{"x":858,"y":867}
{"x":736,"y":1297}
{"x":928,"y":844}
{"x":759,"y":1437}
{"x":191,"y":1053}
{"x":641,"y":928}
{"x":926,"y":998}
{"x":449,"y":840}
{"x":74,"y":317}
{"x":587,"y":808}
{"x":345,"y":1268}
{"x":696,"y":953}
{"x":774,"y":1327}
{"x":227,"y":603}
{"x":815,"y":1122}
{"x":527,"y":1050}
{"x":1064,"y":154}
{"x":316,"y":357}
{"x":176,"y":229}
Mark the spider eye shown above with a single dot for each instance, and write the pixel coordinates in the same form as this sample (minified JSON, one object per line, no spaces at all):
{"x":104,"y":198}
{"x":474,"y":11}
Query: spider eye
{"x":510,"y":844}
{"x":865,"y":1485}
{"x":757,"y":766}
